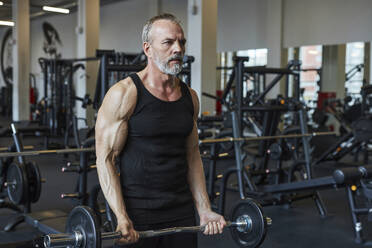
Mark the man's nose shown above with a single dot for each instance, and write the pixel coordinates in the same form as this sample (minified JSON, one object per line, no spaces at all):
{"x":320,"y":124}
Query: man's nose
{"x":178,"y":48}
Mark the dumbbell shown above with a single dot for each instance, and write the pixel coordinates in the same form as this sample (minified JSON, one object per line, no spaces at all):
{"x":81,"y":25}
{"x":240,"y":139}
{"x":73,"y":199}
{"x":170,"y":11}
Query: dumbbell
{"x":82,"y":231}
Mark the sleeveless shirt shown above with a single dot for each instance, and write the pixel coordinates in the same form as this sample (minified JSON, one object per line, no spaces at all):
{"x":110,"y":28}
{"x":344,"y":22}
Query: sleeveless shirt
{"x":153,"y":163}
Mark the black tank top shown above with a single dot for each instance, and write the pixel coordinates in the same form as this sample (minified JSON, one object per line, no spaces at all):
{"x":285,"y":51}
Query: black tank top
{"x":153,"y":164}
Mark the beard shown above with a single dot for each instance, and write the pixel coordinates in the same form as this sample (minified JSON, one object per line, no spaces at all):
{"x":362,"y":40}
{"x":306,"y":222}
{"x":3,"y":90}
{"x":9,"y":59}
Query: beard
{"x":164,"y":66}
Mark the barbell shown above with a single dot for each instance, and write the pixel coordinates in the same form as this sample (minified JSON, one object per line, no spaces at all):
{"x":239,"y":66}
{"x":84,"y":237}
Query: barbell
{"x":44,"y":152}
{"x":258,"y":138}
{"x":82,"y":230}
{"x":4,"y":149}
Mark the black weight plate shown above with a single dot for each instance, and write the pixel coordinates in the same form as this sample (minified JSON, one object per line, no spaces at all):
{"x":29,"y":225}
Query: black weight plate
{"x":84,"y":220}
{"x":34,"y":179}
{"x":255,"y":236}
{"x":17,"y":190}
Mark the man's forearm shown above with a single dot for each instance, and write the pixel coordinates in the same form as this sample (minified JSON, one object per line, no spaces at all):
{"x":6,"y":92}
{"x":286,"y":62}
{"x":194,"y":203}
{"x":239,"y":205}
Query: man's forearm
{"x":111,"y":187}
{"x":196,"y":180}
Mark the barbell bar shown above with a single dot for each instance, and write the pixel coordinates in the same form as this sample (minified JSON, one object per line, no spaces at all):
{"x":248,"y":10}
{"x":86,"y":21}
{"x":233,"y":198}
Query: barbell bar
{"x":258,"y":138}
{"x":44,"y":152}
{"x":3,"y":149}
{"x":82,"y":230}
{"x":244,"y":223}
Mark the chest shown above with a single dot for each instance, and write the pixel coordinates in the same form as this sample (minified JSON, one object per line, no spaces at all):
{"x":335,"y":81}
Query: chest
{"x":168,"y":95}
{"x":154,"y":118}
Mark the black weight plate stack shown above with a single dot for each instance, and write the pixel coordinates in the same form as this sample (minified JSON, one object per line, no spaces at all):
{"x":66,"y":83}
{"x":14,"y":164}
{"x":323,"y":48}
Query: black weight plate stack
{"x":34,"y":180}
{"x":84,"y":220}
{"x":255,"y":236}
{"x":17,"y":179}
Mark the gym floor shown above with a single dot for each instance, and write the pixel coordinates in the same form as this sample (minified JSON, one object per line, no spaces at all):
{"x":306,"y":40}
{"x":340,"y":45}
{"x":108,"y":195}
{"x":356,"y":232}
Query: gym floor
{"x":297,"y":226}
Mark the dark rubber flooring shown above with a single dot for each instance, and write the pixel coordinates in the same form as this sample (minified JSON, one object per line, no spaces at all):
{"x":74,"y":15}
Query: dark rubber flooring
{"x":296,"y":226}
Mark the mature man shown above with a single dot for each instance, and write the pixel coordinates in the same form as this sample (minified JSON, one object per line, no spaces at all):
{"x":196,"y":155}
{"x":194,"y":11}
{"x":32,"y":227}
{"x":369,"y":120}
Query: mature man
{"x":148,"y":122}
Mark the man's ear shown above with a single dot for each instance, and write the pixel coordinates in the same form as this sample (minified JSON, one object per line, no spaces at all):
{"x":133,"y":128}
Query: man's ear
{"x":146,"y":49}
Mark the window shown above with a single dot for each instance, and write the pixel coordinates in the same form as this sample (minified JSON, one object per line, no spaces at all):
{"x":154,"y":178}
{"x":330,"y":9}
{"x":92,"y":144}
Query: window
{"x":311,"y":58}
{"x":225,"y":61}
{"x":354,"y":69}
{"x":257,"y":57}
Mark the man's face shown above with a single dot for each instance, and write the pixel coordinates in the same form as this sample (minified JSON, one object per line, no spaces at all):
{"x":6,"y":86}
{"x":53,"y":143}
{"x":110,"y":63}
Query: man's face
{"x":167,"y":44}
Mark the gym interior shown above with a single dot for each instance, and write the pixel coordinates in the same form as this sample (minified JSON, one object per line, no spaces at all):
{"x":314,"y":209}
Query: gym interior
{"x":284,"y":88}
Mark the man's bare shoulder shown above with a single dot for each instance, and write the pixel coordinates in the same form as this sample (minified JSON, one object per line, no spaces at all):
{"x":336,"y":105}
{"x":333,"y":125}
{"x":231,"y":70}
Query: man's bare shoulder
{"x":122,"y":88}
{"x":121,"y":98}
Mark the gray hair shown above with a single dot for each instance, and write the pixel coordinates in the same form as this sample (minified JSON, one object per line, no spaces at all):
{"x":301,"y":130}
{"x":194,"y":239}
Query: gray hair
{"x":148,"y":25}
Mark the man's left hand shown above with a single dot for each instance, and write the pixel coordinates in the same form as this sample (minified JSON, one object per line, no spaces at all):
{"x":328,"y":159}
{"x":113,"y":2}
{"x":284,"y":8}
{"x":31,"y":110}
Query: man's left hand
{"x":214,"y":223}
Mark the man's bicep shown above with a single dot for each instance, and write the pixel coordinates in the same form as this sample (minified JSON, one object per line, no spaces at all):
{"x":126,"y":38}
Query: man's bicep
{"x":112,"y":119}
{"x":111,"y":134}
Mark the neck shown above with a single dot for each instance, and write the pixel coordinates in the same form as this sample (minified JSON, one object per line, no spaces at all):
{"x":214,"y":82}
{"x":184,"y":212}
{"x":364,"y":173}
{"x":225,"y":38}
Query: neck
{"x":158,"y":79}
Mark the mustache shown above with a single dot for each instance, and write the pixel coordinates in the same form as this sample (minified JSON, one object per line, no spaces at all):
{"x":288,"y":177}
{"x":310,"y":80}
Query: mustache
{"x":175,"y":57}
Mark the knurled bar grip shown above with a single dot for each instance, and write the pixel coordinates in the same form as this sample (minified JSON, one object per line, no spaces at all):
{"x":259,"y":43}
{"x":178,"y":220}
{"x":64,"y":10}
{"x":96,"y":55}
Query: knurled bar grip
{"x":165,"y":231}
{"x":287,"y":136}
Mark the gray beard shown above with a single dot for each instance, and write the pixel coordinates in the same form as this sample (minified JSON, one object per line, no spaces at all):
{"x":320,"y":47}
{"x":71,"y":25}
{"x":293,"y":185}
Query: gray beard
{"x":165,"y":68}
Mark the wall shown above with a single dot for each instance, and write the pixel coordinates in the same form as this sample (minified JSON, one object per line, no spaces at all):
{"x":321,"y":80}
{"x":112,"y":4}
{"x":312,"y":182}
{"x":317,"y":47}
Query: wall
{"x":177,"y":8}
{"x":241,"y":25}
{"x":326,"y":22}
{"x":122,"y":22}
{"x":121,"y":25}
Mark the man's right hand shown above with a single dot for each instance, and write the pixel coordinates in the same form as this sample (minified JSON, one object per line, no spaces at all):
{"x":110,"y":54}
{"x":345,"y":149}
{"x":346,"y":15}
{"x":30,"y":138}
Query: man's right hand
{"x":128,"y":234}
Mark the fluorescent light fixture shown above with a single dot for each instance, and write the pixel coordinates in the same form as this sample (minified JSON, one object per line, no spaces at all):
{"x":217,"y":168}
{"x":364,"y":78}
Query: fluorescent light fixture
{"x":5,"y":23}
{"x":58,"y":10}
{"x":1,"y":3}
{"x":314,"y":52}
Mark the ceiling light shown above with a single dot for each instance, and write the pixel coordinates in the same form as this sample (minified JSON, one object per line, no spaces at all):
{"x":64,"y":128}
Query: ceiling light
{"x":58,"y":10}
{"x":314,"y":52}
{"x":6,"y":23}
{"x":1,"y":3}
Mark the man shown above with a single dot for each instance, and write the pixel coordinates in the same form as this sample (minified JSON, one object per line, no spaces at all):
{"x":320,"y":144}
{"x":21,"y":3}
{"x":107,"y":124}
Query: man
{"x":148,"y":122}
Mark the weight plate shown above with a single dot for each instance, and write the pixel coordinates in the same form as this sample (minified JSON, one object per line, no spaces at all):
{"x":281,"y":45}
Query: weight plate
{"x":34,"y":179}
{"x":17,"y":183}
{"x":256,"y":234}
{"x":84,"y":220}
